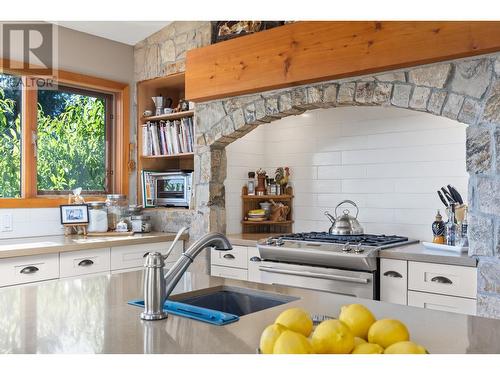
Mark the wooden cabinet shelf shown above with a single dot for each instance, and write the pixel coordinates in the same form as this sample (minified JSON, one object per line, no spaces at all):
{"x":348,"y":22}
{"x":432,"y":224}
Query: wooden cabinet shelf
{"x":169,"y":116}
{"x":184,"y":155}
{"x":268,"y":197}
{"x":267,"y":222}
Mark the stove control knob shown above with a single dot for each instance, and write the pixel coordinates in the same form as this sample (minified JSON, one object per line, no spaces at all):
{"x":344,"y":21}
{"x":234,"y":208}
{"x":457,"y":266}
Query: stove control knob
{"x":270,"y":241}
{"x":346,"y":248}
{"x":358,"y":249}
{"x":279,"y":242}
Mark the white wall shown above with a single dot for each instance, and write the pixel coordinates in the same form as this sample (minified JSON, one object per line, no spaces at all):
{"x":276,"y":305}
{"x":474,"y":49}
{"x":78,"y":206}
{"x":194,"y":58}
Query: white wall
{"x":389,"y":161}
{"x":91,"y":55}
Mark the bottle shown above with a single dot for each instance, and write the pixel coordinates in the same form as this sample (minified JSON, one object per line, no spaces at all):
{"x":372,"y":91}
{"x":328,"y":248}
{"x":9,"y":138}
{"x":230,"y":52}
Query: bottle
{"x":464,"y":239}
{"x":251,"y":183}
{"x":451,"y":227}
{"x":438,"y":229}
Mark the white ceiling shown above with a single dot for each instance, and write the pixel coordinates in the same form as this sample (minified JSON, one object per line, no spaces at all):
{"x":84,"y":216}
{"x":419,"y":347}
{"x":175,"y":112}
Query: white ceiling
{"x":128,"y":32}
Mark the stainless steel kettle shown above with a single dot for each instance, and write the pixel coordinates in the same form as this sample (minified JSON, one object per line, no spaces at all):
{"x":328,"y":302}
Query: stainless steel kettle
{"x":345,"y":224}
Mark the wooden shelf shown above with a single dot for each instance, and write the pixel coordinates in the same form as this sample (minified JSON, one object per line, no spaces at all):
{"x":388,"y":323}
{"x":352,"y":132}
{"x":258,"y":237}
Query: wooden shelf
{"x":183,"y":155}
{"x":266,"y":222}
{"x":170,"y":116}
{"x":266,"y":197}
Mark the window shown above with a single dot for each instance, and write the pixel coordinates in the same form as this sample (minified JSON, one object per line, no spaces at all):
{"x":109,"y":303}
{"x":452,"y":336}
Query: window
{"x":73,"y":134}
{"x":10,"y":136}
{"x":52,"y":141}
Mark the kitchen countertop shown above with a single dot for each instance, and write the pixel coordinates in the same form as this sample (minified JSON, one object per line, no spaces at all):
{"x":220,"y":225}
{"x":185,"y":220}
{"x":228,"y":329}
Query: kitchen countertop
{"x":416,"y":252}
{"x":58,"y":244}
{"x":91,"y":315}
{"x":419,"y":253}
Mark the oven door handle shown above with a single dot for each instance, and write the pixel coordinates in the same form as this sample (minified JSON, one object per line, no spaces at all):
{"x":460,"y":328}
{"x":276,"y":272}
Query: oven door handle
{"x":316,"y":275}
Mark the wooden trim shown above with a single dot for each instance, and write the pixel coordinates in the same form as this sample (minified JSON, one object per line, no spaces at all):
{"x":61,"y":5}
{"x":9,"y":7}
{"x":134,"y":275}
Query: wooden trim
{"x":122,"y":137}
{"x":41,"y":202}
{"x":306,"y":52}
{"x":28,"y":130}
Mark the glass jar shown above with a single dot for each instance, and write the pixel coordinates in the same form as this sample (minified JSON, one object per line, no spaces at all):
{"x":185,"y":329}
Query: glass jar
{"x":98,"y":217}
{"x":141,"y":224}
{"x":117,"y":205}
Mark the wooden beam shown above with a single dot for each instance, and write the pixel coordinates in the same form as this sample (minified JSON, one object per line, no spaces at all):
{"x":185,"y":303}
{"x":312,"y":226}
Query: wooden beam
{"x":306,"y":52}
{"x":28,"y":147}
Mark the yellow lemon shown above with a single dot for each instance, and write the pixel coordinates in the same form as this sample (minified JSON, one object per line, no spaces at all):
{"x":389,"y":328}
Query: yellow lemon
{"x":290,"y":342}
{"x":297,"y":320}
{"x":405,"y":347}
{"x":386,"y":332}
{"x":359,"y":341}
{"x":358,"y":318}
{"x":332,"y":337}
{"x":269,"y":337}
{"x":368,"y":348}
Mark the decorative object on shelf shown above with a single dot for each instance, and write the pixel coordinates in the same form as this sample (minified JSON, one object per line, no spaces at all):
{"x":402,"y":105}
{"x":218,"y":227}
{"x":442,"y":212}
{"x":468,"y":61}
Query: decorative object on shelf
{"x":438,"y":229}
{"x":225,"y":30}
{"x":75,"y":218}
{"x":147,"y":113}
{"x":183,"y":105}
{"x":158,"y":101}
{"x":261,"y":182}
{"x":251,"y":183}
{"x":281,"y":177}
{"x":279,"y":211}
{"x":266,"y":206}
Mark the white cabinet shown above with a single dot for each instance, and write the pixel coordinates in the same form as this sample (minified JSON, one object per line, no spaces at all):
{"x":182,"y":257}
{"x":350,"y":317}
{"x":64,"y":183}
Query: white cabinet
{"x":29,"y":269}
{"x":442,"y":302}
{"x":229,"y":272}
{"x":445,"y":279}
{"x":393,"y":281}
{"x":84,"y":262}
{"x":235,"y":258}
{"x":254,"y":273}
{"x":132,"y":256}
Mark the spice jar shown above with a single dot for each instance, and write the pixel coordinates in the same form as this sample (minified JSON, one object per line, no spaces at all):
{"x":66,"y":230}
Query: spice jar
{"x":117,"y":205}
{"x":98,"y":217}
{"x":141,"y":224}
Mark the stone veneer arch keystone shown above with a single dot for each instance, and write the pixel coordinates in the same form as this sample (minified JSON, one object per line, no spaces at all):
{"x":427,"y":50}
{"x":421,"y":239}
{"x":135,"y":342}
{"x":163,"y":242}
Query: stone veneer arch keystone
{"x":465,"y":90}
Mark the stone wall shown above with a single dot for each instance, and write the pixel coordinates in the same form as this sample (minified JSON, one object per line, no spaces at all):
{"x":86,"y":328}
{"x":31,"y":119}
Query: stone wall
{"x":164,"y":52}
{"x":466,"y":90}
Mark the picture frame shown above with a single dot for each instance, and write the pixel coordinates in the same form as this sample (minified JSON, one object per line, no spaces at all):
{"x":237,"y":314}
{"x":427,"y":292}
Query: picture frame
{"x":74,"y":214}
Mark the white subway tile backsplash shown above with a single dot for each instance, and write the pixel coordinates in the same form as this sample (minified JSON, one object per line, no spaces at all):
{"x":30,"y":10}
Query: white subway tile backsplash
{"x":389,"y":161}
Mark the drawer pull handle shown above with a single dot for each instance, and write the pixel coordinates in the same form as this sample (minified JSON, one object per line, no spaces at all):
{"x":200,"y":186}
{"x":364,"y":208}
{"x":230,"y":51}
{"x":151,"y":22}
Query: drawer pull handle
{"x":228,"y":256}
{"x":393,"y":274}
{"x":28,"y":270}
{"x":441,"y":280}
{"x":255,"y":259}
{"x":86,"y":263}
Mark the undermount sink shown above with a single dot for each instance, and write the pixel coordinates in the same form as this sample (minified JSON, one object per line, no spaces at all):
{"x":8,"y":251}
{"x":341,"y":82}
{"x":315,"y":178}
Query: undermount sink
{"x":232,"y":300}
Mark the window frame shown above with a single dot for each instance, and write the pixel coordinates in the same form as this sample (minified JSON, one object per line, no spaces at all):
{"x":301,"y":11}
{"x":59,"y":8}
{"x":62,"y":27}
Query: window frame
{"x":120,"y":147}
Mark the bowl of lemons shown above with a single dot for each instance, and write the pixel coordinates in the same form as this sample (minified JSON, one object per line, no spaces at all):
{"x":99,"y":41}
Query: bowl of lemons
{"x":356,"y":331}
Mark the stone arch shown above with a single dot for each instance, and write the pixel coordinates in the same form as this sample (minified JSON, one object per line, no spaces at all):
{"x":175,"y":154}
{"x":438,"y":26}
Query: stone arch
{"x":467,"y":91}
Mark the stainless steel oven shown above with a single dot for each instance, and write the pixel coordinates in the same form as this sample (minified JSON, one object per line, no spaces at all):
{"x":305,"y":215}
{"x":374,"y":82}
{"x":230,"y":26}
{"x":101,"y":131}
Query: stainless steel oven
{"x":359,"y":284}
{"x":173,"y":188}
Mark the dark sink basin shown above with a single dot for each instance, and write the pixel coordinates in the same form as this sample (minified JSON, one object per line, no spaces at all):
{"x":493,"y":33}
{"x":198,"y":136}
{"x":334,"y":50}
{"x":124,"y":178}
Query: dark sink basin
{"x":232,"y":300}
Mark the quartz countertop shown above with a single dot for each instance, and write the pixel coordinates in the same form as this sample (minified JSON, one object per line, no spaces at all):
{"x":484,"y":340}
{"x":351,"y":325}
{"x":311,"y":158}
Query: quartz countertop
{"x":91,"y":315}
{"x":416,"y":252}
{"x":58,"y":244}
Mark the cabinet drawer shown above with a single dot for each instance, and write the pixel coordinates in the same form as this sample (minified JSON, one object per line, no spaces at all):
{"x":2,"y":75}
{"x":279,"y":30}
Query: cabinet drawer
{"x":254,"y":274}
{"x":132,"y":256}
{"x":393,"y":281}
{"x":442,"y":279}
{"x":443,"y":303}
{"x":84,"y":262}
{"x":229,"y":272}
{"x":236,"y":258}
{"x":29,"y":269}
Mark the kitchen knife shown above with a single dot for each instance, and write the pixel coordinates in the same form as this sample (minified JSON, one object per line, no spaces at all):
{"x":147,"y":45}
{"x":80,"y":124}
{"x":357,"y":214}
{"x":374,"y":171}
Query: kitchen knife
{"x":442,"y":199}
{"x":455,"y":194}
{"x":448,"y":195}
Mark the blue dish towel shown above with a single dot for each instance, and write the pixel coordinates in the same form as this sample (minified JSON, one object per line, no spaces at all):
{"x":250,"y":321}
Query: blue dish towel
{"x":218,"y":318}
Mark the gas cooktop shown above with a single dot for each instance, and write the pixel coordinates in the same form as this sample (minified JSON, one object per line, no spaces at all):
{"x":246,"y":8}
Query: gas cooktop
{"x":377,"y":240}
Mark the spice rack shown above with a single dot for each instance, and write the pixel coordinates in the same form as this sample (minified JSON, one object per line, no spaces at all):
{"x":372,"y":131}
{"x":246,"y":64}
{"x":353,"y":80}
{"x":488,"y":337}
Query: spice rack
{"x":251,"y":202}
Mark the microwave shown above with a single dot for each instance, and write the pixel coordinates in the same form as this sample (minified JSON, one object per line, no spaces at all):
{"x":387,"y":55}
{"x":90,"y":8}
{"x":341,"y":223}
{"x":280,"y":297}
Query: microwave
{"x":172,"y":188}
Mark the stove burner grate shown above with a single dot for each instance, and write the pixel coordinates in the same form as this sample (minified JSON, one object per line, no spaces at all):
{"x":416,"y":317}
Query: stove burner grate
{"x":363,"y":239}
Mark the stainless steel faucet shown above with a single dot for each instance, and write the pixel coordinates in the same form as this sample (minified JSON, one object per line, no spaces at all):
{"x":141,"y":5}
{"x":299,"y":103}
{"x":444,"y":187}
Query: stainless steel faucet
{"x":158,"y":286}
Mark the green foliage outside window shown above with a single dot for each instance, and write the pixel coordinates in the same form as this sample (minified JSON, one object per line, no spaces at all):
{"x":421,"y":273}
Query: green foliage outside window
{"x":71,"y":143}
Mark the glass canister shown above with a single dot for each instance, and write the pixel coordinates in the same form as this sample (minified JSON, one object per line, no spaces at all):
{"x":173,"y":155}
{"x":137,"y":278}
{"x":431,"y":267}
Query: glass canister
{"x":117,"y":205}
{"x":98,"y":217}
{"x":141,"y":224}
